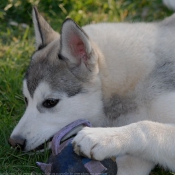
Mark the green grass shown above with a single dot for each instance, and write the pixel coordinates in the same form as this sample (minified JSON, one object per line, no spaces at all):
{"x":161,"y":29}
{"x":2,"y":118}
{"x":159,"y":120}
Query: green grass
{"x":17,"y":45}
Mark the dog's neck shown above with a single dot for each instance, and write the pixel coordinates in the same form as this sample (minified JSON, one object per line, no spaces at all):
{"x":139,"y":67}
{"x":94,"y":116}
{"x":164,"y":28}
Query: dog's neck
{"x":117,"y":78}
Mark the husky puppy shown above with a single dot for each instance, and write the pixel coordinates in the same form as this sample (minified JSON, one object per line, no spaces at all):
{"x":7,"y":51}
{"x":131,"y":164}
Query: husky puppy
{"x":119,"y":76}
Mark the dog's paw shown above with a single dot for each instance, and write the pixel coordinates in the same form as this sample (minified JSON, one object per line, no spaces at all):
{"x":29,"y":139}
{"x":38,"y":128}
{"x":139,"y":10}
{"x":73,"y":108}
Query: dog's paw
{"x":95,"y":143}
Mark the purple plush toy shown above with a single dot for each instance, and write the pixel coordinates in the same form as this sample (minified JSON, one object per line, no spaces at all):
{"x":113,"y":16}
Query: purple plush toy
{"x":63,"y":160}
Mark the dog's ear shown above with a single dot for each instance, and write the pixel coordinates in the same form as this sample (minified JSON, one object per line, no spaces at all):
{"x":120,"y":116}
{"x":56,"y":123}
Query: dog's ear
{"x":76,"y":49}
{"x":43,"y":31}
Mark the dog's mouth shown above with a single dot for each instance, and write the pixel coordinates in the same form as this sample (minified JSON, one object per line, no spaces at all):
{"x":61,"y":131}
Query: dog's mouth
{"x":47,"y":144}
{"x":44,"y":146}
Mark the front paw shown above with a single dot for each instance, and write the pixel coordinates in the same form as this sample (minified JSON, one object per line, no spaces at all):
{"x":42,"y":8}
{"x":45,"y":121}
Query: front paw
{"x":95,"y":143}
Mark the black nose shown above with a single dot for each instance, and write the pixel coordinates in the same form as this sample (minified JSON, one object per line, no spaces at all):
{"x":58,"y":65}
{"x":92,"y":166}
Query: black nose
{"x":17,"y":142}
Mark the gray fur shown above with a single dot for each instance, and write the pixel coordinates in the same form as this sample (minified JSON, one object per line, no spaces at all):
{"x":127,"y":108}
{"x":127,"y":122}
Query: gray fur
{"x":164,"y":76}
{"x":43,"y":32}
{"x":117,"y":106}
{"x":45,"y":70}
{"x":160,"y":80}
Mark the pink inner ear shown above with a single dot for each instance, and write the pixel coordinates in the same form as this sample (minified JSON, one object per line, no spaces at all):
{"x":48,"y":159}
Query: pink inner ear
{"x":77,"y":47}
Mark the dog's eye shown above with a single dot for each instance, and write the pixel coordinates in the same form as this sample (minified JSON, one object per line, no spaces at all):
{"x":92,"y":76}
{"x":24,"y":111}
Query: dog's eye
{"x":26,"y":100}
{"x":49,"y":103}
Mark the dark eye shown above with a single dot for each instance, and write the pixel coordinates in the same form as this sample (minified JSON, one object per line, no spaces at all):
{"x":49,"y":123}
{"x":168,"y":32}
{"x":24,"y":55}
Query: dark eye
{"x":26,"y":100}
{"x":49,"y":103}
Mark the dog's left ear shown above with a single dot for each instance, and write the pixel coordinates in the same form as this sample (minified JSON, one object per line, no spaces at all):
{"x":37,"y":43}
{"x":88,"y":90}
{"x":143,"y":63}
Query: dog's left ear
{"x":76,"y":49}
{"x":43,"y":31}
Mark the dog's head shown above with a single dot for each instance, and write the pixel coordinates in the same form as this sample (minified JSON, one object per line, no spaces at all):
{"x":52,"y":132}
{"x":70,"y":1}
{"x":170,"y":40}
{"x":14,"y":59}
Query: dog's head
{"x":61,"y":84}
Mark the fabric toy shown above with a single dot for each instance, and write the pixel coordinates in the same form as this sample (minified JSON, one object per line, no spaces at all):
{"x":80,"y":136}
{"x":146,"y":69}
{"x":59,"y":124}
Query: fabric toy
{"x":65,"y":161}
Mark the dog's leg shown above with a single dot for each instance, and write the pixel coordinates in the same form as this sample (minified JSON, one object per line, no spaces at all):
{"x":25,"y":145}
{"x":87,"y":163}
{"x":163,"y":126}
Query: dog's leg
{"x":147,"y":140}
{"x":129,"y":165}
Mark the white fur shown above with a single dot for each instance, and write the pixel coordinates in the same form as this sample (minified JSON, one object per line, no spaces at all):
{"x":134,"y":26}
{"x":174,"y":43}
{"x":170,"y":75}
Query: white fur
{"x":38,"y":127}
{"x":121,"y":53}
{"x":129,"y":165}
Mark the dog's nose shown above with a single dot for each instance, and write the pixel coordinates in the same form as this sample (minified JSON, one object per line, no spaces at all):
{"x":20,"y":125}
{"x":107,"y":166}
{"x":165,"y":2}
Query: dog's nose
{"x":17,"y":142}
